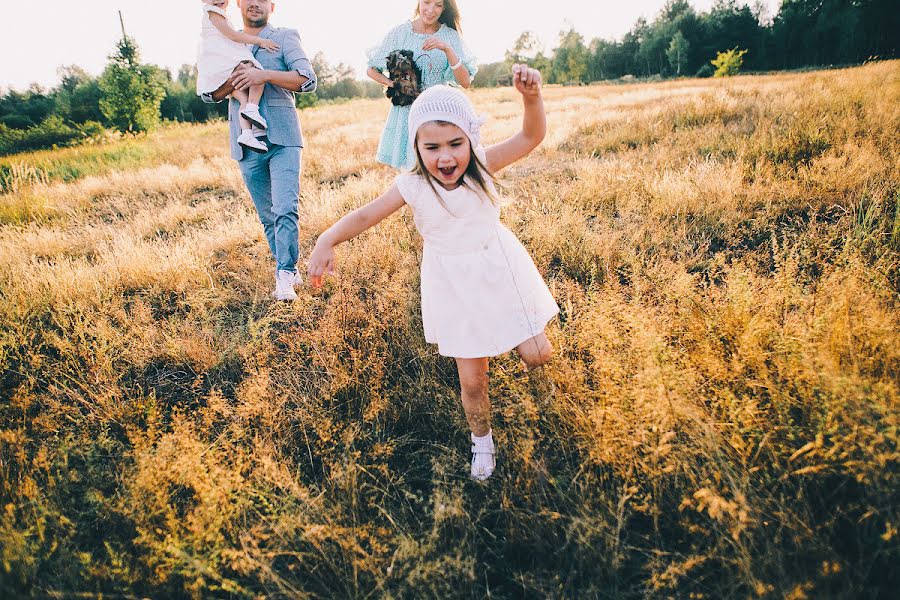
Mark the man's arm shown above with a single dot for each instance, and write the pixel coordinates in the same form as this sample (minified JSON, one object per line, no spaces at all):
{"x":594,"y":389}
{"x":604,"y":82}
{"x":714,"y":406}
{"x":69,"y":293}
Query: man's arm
{"x":247,"y":75}
{"x":299,"y":76}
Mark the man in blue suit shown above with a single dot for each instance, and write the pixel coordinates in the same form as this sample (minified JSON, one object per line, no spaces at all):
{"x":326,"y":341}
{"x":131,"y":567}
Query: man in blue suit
{"x":273,"y":177}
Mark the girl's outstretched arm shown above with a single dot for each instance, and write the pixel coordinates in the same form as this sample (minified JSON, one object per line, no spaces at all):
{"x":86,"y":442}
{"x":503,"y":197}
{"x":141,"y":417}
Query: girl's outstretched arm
{"x":534,"y":121}
{"x":321,"y":261}
{"x":240,"y":37}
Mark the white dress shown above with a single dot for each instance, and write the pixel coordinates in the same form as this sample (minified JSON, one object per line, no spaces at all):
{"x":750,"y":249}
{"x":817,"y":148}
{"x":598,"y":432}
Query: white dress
{"x":217,"y":56}
{"x":481,"y":293}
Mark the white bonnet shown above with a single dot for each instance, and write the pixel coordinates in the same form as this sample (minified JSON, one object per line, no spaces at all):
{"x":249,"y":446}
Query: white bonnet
{"x":444,"y":103}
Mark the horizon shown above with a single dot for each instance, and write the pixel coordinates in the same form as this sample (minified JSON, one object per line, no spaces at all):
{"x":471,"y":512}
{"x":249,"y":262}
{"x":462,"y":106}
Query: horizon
{"x":489,"y":29}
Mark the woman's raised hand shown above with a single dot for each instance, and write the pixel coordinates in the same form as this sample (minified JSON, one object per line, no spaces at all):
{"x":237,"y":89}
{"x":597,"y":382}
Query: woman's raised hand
{"x":435,"y":43}
{"x":268,"y":45}
{"x":526,"y":80}
{"x":321,"y":262}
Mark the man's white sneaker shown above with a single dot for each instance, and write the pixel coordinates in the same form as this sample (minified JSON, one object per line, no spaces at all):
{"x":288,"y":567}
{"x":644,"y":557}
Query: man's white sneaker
{"x":251,"y":113}
{"x":298,"y":279}
{"x":483,"y":461}
{"x":284,"y":286}
{"x":249,"y":142}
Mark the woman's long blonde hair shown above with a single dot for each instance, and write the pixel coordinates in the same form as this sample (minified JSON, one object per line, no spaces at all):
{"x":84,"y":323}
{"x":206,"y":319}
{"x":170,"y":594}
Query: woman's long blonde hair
{"x":449,"y":17}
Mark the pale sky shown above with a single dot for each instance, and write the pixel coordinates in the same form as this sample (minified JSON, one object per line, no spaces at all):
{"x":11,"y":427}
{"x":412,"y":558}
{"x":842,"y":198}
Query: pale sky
{"x":64,"y":32}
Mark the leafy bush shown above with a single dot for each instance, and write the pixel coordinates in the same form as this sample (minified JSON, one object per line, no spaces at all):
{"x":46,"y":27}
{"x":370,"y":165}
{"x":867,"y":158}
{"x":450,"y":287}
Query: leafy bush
{"x":728,"y":63}
{"x":306,"y":100}
{"x":53,"y":131}
{"x":705,"y":71}
{"x":16,"y":121}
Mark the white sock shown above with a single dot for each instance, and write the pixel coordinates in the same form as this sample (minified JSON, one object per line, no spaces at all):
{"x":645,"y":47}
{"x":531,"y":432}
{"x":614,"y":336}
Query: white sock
{"x":251,"y":106}
{"x":243,"y":131}
{"x":484,"y":440}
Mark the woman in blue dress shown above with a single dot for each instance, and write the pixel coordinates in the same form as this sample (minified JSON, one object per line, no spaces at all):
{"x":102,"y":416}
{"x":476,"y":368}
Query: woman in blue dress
{"x":433,"y":36}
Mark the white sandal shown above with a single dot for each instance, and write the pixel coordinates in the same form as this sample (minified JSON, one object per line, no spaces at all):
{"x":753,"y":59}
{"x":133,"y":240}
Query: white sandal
{"x":483,"y":457}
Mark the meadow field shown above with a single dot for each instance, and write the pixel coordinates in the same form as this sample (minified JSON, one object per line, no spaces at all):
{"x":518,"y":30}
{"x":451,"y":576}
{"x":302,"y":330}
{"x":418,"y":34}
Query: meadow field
{"x":720,"y":419}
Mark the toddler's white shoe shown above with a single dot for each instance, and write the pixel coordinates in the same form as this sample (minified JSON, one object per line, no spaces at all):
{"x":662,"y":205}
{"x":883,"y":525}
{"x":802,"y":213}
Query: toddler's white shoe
{"x":483,"y":452}
{"x":251,"y":113}
{"x":249,"y":142}
{"x":284,"y":286}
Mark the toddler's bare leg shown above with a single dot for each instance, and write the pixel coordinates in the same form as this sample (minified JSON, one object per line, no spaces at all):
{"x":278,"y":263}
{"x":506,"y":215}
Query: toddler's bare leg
{"x":473,"y":383}
{"x":256,"y":92}
{"x":242,"y":96}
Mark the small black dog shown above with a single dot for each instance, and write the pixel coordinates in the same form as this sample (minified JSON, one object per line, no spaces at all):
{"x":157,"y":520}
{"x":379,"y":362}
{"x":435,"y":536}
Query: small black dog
{"x":405,"y":76}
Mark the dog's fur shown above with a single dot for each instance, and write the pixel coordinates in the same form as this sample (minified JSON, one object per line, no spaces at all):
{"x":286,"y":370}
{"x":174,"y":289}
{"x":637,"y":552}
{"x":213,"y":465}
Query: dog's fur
{"x":405,"y":76}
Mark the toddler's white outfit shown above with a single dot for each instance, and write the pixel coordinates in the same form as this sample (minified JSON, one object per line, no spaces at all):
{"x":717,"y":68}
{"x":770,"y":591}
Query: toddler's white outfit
{"x":481,"y":293}
{"x":217,"y":56}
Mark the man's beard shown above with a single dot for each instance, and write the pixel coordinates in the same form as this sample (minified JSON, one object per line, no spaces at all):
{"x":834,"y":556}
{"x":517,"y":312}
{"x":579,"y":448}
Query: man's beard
{"x":260,"y":22}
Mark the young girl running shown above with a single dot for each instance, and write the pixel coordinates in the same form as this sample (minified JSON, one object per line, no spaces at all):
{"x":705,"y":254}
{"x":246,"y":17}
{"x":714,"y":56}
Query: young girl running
{"x":220,"y":52}
{"x":481,"y":293}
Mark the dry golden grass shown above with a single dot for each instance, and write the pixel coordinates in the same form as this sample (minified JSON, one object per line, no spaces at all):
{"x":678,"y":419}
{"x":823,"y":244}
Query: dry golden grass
{"x":721,"y":419}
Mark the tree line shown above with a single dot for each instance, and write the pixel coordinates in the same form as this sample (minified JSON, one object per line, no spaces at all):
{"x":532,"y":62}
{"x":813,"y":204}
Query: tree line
{"x":132,"y":97}
{"x":681,"y":41}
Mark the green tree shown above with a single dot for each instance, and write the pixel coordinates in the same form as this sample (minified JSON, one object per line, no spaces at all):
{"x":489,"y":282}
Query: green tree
{"x":489,"y":75}
{"x":132,"y":92}
{"x":728,"y":63}
{"x":570,"y":59}
{"x":77,"y":96}
{"x":525,"y":48}
{"x":677,"y":52}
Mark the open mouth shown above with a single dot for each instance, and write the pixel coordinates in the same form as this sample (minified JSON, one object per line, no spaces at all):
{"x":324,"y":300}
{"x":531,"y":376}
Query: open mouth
{"x":447,"y":172}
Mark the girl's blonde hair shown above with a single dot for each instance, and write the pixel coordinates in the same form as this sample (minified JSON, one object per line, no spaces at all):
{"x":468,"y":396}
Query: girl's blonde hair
{"x":477,"y":172}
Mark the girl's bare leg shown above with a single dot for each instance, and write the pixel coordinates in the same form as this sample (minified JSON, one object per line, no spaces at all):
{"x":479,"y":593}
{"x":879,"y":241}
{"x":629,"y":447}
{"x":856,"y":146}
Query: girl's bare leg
{"x":473,"y":383}
{"x":535,"y":352}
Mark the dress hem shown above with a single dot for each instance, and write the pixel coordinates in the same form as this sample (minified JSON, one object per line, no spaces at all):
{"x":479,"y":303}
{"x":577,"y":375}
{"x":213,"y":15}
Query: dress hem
{"x":542,"y":328}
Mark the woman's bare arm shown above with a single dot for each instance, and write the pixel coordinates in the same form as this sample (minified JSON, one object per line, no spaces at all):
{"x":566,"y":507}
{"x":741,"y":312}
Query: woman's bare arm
{"x":378,"y":76}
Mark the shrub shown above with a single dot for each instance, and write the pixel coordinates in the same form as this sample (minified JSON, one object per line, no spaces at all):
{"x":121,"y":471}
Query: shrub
{"x":53,"y":131}
{"x":306,"y":100}
{"x":16,"y":121}
{"x":728,"y":63}
{"x":705,"y":71}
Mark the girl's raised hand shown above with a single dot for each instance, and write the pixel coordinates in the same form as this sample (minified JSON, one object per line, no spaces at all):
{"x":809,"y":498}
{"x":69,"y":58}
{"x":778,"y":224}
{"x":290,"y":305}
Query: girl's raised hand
{"x":526,"y":80}
{"x":321,"y":262}
{"x":268,"y":45}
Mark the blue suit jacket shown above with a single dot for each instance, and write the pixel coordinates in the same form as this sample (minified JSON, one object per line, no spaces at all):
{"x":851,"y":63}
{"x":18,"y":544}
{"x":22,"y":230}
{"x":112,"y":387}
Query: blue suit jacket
{"x":277,"y":105}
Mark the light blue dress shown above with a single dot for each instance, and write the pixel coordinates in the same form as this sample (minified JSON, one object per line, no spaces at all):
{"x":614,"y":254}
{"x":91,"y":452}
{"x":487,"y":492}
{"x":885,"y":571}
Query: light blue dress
{"x":394,"y":148}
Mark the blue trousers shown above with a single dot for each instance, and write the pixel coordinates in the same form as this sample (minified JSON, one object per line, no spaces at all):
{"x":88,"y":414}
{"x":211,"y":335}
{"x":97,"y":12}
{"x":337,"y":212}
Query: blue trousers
{"x":273,"y":180}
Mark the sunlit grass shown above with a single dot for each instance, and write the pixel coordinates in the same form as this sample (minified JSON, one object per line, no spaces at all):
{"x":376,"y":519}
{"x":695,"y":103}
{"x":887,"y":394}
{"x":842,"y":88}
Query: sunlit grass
{"x":721,"y":418}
